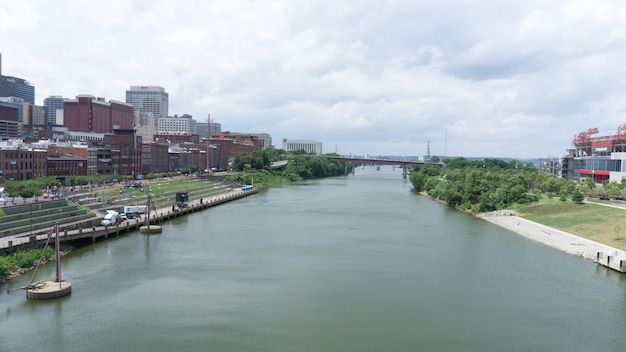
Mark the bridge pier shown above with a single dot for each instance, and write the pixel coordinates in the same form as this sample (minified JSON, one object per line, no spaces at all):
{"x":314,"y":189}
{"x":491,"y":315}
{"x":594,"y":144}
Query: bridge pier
{"x":404,"y":171}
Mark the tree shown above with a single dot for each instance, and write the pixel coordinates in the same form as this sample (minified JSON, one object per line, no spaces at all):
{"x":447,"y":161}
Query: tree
{"x":612,"y":189}
{"x":577,"y":196}
{"x":418,"y":179}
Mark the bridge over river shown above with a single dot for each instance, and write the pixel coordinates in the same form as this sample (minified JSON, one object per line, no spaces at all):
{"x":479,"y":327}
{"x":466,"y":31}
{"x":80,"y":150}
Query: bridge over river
{"x":377,"y":161}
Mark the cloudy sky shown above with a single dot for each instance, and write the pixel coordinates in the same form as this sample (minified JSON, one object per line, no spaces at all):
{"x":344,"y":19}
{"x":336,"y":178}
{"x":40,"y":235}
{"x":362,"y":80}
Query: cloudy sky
{"x":474,"y":78}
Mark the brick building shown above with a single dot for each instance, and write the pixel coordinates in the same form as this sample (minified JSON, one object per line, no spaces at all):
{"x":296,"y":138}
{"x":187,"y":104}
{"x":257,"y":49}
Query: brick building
{"x":89,"y":114}
{"x":19,"y":164}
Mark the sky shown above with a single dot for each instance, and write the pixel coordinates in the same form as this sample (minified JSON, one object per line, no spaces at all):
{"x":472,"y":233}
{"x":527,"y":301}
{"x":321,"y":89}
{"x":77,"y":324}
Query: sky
{"x":473,"y":78}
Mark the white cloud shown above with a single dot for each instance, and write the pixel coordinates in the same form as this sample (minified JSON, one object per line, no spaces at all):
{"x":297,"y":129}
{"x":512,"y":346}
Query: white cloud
{"x":368,"y":77}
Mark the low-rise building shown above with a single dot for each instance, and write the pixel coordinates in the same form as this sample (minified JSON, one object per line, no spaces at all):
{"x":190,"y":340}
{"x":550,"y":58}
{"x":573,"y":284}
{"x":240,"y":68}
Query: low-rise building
{"x":306,"y":146}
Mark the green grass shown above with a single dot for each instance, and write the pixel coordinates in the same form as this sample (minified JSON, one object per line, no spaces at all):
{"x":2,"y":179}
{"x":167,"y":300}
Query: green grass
{"x":162,"y":192}
{"x":154,"y":187}
{"x":598,"y":223}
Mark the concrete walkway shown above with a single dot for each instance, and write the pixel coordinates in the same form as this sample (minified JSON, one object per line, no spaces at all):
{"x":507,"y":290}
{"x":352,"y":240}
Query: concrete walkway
{"x":552,"y":237}
{"x":89,"y":227}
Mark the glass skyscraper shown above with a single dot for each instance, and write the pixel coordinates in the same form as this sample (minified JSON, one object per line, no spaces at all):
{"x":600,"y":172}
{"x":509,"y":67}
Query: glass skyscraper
{"x":16,"y":87}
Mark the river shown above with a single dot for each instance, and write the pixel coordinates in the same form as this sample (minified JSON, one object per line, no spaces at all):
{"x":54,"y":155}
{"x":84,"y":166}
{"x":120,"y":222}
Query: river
{"x":356,"y":263}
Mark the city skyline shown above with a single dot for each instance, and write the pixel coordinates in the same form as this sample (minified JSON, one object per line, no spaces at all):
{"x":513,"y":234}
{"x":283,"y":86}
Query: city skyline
{"x":374,"y":77}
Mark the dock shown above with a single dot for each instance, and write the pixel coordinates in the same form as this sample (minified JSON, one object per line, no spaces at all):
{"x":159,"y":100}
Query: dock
{"x":89,"y":231}
{"x":613,"y":261}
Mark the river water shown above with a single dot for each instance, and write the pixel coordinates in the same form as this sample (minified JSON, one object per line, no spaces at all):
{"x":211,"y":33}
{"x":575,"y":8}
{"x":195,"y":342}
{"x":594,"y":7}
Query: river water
{"x":356,"y":263}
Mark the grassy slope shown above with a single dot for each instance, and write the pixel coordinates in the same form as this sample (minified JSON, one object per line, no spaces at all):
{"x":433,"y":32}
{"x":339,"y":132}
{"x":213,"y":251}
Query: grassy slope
{"x":598,"y":223}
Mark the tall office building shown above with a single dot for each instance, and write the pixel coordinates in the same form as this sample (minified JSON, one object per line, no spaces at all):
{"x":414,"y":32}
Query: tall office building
{"x":16,"y":87}
{"x":149,"y":99}
{"x":53,"y":103}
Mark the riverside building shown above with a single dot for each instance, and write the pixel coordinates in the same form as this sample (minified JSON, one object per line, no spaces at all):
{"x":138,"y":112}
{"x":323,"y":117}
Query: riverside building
{"x":602,"y":158}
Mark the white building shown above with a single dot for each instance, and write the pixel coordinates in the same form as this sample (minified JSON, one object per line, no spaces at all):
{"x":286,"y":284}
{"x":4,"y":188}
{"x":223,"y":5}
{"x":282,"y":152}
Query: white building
{"x":304,"y":145}
{"x":617,"y":167}
{"x":184,"y":123}
{"x":144,"y":123}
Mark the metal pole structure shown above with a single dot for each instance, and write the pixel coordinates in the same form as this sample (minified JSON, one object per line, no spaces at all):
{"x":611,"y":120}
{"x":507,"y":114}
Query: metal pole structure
{"x":30,"y":207}
{"x":57,"y":251}
{"x":208,"y":145}
{"x":147,"y":219}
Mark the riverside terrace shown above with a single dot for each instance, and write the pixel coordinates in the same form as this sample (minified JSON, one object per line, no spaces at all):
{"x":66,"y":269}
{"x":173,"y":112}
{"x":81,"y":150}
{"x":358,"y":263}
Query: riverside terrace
{"x":80,"y":203}
{"x":91,"y":230}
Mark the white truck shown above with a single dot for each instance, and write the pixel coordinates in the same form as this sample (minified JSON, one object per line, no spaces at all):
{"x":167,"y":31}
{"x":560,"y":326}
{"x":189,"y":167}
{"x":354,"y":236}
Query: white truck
{"x":111,"y":218}
{"x":135,"y":210}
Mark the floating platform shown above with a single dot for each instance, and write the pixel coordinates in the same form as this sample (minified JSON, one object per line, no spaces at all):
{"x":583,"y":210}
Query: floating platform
{"x":152,"y":229}
{"x":48,"y":289}
{"x":616,"y":261}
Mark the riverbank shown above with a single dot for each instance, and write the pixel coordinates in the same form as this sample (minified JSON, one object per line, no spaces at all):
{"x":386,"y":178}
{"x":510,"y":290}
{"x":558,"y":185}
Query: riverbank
{"x":561,"y":240}
{"x":100,"y":232}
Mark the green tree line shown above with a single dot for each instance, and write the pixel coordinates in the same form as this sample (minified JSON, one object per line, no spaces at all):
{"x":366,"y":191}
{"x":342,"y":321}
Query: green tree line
{"x":256,"y":166}
{"x":30,"y":188}
{"x":491,"y":184}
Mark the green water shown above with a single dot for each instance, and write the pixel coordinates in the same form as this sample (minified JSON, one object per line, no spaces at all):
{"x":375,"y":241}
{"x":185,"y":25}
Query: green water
{"x":344,"y":264}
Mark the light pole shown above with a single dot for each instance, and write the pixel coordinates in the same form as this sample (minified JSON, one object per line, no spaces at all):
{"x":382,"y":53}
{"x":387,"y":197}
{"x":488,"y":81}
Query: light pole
{"x":30,"y":207}
{"x":208,"y":145}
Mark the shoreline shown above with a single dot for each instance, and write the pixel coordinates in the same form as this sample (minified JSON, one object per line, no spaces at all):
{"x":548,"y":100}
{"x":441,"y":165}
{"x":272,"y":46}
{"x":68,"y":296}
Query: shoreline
{"x":557,"y":239}
{"x":195,"y":202}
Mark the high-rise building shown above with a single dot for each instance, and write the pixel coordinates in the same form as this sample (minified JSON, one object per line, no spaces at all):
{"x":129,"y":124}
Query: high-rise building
{"x":149,"y":99}
{"x":53,"y":103}
{"x":16,"y":87}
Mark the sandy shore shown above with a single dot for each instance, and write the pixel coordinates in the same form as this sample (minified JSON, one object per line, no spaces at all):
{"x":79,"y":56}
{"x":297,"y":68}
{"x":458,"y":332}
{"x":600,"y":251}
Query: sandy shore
{"x":558,"y":239}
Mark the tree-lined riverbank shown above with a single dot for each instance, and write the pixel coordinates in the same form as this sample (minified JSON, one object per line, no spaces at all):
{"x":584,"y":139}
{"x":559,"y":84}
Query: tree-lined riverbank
{"x":486,"y":186}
